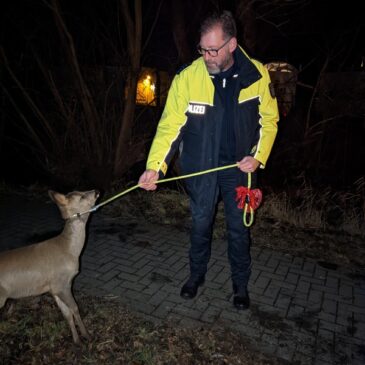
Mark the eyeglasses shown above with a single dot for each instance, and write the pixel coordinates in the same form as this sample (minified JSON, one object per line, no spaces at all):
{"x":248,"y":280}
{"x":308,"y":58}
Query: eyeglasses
{"x":211,"y":52}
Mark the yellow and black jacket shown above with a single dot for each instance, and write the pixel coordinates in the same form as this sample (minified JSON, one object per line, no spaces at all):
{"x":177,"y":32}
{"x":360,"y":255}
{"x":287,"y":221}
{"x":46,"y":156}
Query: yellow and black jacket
{"x":193,"y":115}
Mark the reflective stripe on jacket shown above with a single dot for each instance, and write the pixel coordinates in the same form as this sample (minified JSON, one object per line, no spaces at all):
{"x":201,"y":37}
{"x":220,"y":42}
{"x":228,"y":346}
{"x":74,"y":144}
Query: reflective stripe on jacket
{"x":193,"y":114}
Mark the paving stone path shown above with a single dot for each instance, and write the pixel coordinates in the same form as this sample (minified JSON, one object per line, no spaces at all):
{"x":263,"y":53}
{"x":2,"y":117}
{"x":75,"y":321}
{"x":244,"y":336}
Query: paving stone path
{"x":303,"y":311}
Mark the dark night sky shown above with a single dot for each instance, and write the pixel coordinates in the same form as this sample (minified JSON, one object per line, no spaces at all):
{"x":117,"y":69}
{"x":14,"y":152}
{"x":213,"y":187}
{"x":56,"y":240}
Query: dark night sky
{"x":315,"y":28}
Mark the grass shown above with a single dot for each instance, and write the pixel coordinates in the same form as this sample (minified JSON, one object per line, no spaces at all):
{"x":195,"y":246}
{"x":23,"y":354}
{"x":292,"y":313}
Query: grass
{"x":303,"y":208}
{"x":36,"y":333}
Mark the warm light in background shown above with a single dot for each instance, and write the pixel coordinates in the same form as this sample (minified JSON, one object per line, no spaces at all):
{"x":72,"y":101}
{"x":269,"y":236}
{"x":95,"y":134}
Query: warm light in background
{"x":146,"y":88}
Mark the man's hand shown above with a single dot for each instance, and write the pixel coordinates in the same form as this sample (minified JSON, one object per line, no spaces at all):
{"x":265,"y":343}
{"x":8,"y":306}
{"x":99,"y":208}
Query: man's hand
{"x":147,"y":179}
{"x":248,"y":164}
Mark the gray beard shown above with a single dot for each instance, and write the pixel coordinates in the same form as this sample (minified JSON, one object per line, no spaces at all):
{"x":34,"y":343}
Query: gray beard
{"x":216,"y":69}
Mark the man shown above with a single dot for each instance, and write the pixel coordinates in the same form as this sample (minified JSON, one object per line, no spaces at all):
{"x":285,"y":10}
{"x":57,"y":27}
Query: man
{"x":219,"y":111}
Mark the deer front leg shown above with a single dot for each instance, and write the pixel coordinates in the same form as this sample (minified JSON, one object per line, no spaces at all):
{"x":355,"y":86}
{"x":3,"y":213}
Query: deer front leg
{"x":3,"y":296}
{"x":67,"y":297}
{"x":67,"y":313}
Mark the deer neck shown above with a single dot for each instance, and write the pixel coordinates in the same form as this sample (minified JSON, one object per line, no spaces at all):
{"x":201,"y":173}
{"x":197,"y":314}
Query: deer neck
{"x":74,"y":234}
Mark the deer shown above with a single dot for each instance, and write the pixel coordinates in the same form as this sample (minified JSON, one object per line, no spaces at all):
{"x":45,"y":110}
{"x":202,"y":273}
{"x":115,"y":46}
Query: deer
{"x":51,"y":265}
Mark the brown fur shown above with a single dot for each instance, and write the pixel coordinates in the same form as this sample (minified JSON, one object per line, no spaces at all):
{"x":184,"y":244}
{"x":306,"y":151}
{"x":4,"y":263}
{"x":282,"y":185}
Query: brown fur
{"x":51,"y":265}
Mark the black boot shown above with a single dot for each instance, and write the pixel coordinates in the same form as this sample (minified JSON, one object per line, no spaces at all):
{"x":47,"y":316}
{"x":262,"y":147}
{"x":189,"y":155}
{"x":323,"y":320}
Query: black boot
{"x":190,"y":288}
{"x":241,"y":300}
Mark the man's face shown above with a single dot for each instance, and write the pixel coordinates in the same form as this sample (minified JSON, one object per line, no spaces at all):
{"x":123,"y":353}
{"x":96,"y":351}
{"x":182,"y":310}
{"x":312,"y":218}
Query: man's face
{"x":214,"y":39}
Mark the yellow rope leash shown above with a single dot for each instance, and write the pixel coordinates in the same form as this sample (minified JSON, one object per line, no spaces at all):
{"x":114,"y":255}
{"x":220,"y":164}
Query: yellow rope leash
{"x":247,"y":224}
{"x":163,"y":181}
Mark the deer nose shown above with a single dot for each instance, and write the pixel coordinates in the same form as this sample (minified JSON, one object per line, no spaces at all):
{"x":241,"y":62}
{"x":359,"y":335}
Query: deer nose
{"x":97,"y":193}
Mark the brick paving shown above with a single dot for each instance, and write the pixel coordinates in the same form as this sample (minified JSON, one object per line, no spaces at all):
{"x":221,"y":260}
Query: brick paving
{"x":303,"y":311}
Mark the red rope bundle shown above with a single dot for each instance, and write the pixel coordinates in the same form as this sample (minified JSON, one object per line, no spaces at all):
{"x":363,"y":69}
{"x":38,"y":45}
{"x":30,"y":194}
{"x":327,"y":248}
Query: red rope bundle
{"x":245,"y":195}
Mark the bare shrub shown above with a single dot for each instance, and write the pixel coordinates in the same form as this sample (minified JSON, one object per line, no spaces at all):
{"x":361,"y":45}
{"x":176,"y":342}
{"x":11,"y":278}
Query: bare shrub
{"x":323,"y":209}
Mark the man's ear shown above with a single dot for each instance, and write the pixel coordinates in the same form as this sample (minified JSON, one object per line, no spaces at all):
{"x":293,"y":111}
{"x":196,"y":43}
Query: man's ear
{"x":232,"y":44}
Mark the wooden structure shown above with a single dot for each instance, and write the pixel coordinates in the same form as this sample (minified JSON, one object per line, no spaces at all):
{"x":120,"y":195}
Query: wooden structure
{"x":284,"y":78}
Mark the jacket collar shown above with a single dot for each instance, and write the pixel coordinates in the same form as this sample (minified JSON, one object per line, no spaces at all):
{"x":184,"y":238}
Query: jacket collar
{"x":247,"y":71}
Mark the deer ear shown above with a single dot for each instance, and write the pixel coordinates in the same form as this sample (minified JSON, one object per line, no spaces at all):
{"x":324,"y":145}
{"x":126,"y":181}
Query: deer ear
{"x":58,"y":198}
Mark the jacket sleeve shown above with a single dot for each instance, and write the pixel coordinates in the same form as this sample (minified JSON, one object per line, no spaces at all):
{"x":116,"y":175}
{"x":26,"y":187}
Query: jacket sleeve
{"x":269,"y":117}
{"x":169,"y":129}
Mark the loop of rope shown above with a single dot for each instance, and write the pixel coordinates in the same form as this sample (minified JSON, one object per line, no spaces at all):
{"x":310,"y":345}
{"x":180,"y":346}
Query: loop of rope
{"x":247,"y":204}
{"x":249,"y":223}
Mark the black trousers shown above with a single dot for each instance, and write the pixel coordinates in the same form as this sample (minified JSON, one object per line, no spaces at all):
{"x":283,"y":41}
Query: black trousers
{"x":203,"y":213}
